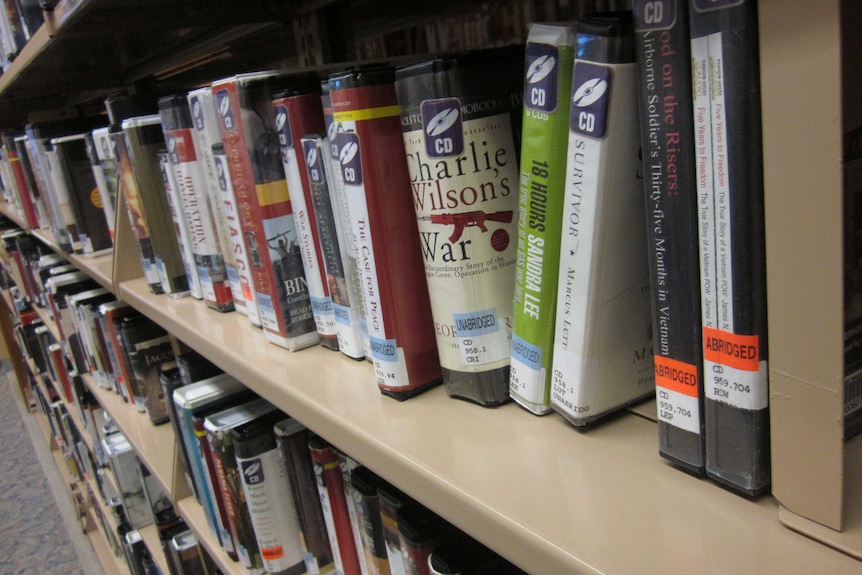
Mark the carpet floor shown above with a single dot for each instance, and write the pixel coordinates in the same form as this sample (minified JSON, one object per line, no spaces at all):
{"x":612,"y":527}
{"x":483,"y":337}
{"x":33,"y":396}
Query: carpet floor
{"x":39,"y":531}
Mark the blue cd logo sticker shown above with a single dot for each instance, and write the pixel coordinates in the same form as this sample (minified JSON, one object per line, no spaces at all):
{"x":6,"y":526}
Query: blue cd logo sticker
{"x":171,"y":142}
{"x":220,"y":172}
{"x":107,"y":149}
{"x":282,"y":127}
{"x":540,"y":83}
{"x":591,"y":86}
{"x":312,"y":161}
{"x":252,"y":470}
{"x":350,"y":157}
{"x":224,"y":111}
{"x":197,"y":113}
{"x":441,"y":121}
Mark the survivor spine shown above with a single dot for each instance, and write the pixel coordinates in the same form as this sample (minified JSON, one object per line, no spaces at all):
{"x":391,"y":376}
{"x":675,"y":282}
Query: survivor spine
{"x":603,"y":335}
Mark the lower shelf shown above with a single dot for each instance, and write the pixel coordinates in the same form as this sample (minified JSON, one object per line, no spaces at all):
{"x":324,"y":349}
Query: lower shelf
{"x":150,"y":535}
{"x":112,"y":564}
{"x":849,"y":540}
{"x":549,"y":498}
{"x":193,"y":514}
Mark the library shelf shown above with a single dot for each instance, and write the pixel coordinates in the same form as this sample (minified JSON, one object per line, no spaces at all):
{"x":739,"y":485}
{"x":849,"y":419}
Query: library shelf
{"x":548,"y":497}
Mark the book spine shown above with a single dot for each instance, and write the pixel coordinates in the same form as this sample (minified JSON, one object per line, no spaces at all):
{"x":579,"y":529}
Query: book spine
{"x":724,"y":38}
{"x":70,"y":339}
{"x":603,"y":336}
{"x":670,"y":188}
{"x":206,"y":475}
{"x":118,"y":382}
{"x":95,"y":353}
{"x":296,"y":116}
{"x":224,"y":459}
{"x":205,"y":135}
{"x":58,"y":191}
{"x":84,"y":197}
{"x":389,"y":501}
{"x":266,"y":485}
{"x":181,"y":228}
{"x":109,"y":362}
{"x":346,"y":230}
{"x":550,"y":56}
{"x":24,"y":194}
{"x":199,"y":215}
{"x":128,"y":185}
{"x":7,"y":180}
{"x":331,"y":491}
{"x":47,"y":199}
{"x":58,"y":360}
{"x":364,"y":486}
{"x":404,"y":349}
{"x":147,"y":358}
{"x":332,"y":247}
{"x":144,"y":139}
{"x":292,"y":439}
{"x":245,"y":286}
{"x":853,"y":280}
{"x":348,"y":465}
{"x":113,"y":319}
{"x":170,"y":380}
{"x":460,"y":117}
{"x":105,"y":174}
{"x":266,"y":217}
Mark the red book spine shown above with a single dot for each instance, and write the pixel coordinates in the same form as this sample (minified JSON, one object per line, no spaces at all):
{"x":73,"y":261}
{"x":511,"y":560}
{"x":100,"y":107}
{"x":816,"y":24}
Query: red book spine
{"x":266,"y":218}
{"x":220,"y":490}
{"x":24,"y":194}
{"x":297,"y":116}
{"x":330,"y":483}
{"x":373,"y":163}
{"x":58,"y":358}
{"x":122,"y":372}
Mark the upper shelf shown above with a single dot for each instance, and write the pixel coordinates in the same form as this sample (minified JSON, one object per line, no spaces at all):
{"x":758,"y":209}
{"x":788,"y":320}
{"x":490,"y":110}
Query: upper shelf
{"x":90,"y":49}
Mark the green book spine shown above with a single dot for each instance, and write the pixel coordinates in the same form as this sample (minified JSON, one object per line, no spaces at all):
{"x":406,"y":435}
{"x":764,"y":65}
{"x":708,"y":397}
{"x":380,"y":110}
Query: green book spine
{"x":550,"y":56}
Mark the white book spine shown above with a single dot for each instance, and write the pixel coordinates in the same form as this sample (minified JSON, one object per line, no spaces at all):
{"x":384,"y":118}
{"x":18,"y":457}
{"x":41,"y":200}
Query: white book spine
{"x":180,"y":226}
{"x":603,"y":341}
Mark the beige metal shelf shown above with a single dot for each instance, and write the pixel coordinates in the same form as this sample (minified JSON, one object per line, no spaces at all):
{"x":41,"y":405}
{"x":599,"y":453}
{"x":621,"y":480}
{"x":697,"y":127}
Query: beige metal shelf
{"x":13,"y":213}
{"x":112,"y":564}
{"x":549,"y":498}
{"x":98,"y":266}
{"x":552,"y":499}
{"x":150,"y":535}
{"x":193,"y":514}
{"x":154,"y":444}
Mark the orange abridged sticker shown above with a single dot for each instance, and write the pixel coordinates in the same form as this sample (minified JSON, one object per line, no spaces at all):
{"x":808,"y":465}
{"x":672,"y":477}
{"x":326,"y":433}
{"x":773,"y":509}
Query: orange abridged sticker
{"x":731,"y":349}
{"x":272,"y":553}
{"x":675,"y":375}
{"x":96,"y":198}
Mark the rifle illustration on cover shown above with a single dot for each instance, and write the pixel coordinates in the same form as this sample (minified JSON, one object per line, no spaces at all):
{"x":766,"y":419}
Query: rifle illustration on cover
{"x":466,"y":219}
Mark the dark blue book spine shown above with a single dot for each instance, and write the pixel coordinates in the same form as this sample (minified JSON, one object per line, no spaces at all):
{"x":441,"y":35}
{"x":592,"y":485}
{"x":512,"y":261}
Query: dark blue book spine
{"x":667,"y":136}
{"x":726,"y":86}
